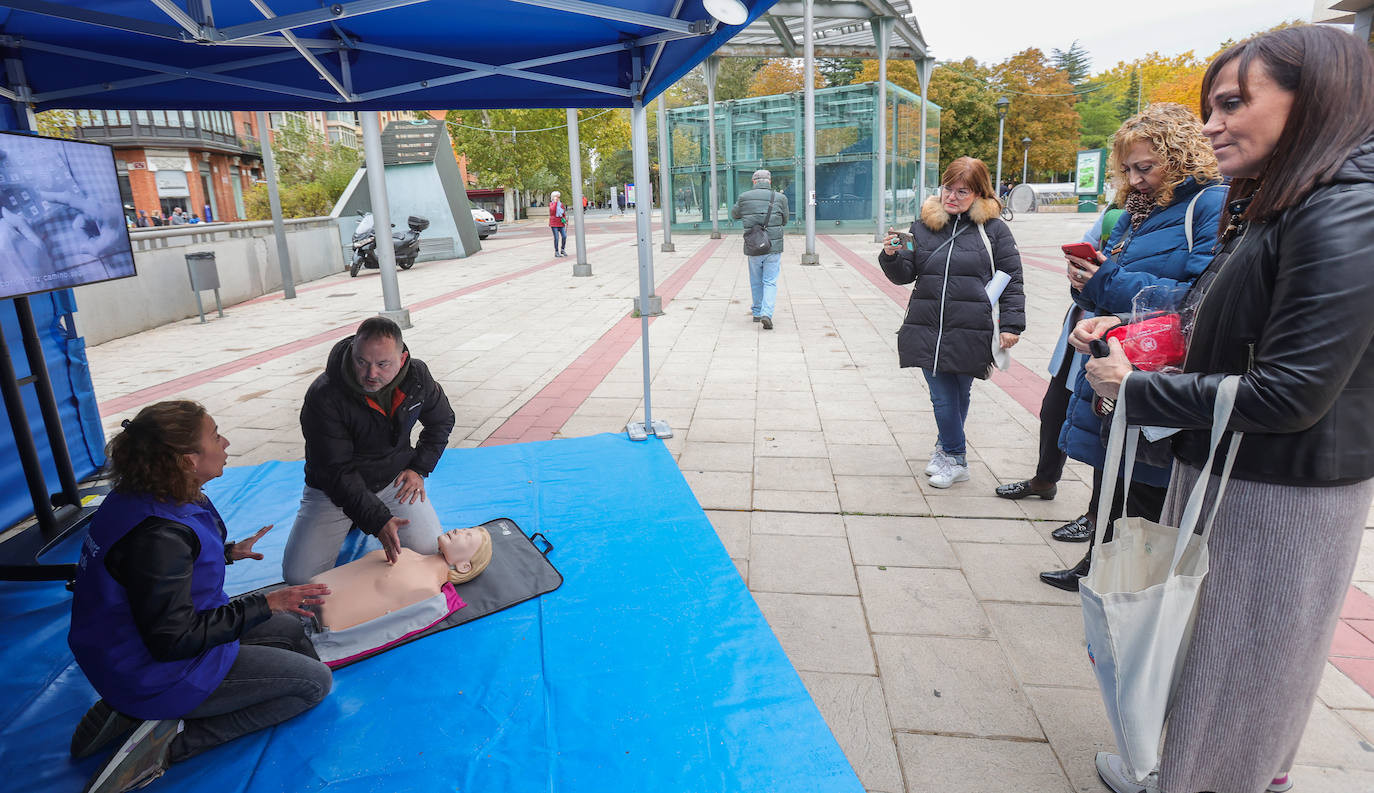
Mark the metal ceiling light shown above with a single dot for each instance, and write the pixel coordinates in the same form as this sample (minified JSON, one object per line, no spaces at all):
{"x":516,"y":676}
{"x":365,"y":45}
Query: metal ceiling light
{"x":729,"y":12}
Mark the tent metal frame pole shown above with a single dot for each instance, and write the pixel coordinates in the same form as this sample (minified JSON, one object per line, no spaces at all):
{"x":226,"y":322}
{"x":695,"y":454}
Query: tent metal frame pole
{"x":711,"y":69}
{"x":155,"y":79}
{"x":581,"y":268}
{"x":809,"y":122}
{"x":924,"y":73}
{"x":381,"y":219}
{"x":288,"y":283}
{"x":330,"y":13}
{"x":882,"y":35}
{"x":639,"y":144}
{"x":665,"y":195}
{"x":620,"y":15}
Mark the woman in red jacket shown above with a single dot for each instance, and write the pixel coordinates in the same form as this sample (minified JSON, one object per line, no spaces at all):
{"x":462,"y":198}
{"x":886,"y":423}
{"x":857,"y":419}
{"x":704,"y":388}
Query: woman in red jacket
{"x":558,"y":222}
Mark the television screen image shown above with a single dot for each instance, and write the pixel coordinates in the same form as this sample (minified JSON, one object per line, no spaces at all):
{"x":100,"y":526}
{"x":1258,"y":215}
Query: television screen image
{"x":62,"y":222}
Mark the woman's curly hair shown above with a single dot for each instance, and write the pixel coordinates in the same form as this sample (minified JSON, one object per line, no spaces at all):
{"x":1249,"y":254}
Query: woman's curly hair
{"x":1175,"y":136}
{"x":147,"y":455}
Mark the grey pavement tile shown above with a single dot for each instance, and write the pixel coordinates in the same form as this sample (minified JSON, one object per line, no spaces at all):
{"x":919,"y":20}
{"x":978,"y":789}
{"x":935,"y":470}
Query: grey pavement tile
{"x":819,"y":633}
{"x":789,"y":443}
{"x":808,"y":565}
{"x":957,"y":503}
{"x":1314,"y":779}
{"x":1068,"y":553}
{"x":789,"y":399}
{"x":803,"y":419}
{"x":720,"y":489}
{"x":860,"y":432}
{"x":854,"y":710}
{"x":952,"y":686}
{"x":721,"y":430}
{"x":1045,"y":643}
{"x":1331,"y":741}
{"x":880,"y":495}
{"x":980,"y":484}
{"x":582,"y":426}
{"x":733,"y":530}
{"x":873,"y":460}
{"x":979,"y":765}
{"x":1362,"y":721}
{"x":793,"y":473}
{"x":1010,"y":573}
{"x":708,"y":408}
{"x":667,"y":398}
{"x":801,"y":524}
{"x":898,"y":541}
{"x":849,"y":410}
{"x":1338,"y":691}
{"x":921,"y":601}
{"x":797,"y":501}
{"x":271,"y":450}
{"x":621,"y":408}
{"x":995,"y":530}
{"x":1076,"y":723}
{"x":702,"y":456}
{"x":742,"y":566}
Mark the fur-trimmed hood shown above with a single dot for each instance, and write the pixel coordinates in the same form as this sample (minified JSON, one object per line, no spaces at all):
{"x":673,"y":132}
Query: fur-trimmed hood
{"x":934,"y":216}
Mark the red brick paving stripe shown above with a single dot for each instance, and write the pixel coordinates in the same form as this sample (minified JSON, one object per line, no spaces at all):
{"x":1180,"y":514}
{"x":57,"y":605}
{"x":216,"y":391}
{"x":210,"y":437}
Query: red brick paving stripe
{"x":175,"y":386}
{"x":546,"y":412}
{"x":1020,"y":383}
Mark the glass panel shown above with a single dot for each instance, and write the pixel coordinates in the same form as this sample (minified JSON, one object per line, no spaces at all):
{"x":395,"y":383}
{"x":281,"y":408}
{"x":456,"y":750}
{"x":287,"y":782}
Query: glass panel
{"x":124,"y":119}
{"x":143,"y":118}
{"x":188,"y":118}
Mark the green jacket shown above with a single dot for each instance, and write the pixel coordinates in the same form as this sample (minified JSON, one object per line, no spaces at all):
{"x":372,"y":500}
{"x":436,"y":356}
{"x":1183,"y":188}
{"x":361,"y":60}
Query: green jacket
{"x":752,"y":206}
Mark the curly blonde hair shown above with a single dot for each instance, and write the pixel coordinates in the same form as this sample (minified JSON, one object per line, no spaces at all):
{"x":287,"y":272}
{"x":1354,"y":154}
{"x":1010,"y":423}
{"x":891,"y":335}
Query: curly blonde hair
{"x":1175,"y":136}
{"x":148,"y":455}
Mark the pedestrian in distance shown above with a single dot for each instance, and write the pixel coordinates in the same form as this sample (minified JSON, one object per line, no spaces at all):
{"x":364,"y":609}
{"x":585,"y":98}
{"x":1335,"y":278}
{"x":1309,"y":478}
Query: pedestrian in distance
{"x":764,"y":212}
{"x":558,"y":222}
{"x":957,"y":246}
{"x":1285,"y":304}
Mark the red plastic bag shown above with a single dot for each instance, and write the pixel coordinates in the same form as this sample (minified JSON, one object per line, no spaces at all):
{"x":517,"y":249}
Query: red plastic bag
{"x":1154,"y":343}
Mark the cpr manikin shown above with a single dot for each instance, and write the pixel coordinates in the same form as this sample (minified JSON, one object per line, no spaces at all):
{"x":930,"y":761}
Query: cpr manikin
{"x":369,"y":587}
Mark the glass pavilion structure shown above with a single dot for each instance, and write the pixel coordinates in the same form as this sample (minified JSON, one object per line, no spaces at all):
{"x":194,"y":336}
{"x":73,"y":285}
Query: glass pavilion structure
{"x":766,"y":132}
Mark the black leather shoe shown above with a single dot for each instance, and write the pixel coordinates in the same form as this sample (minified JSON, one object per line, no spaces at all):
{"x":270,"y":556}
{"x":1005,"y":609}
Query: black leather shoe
{"x":1080,"y":529}
{"x":767,"y":322}
{"x":1067,"y":580}
{"x":758,"y":318}
{"x":1024,"y":488}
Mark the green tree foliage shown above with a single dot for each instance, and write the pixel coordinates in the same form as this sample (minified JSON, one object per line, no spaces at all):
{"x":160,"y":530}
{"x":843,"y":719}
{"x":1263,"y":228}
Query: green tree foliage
{"x":839,"y":71}
{"x":732,"y":82}
{"x":968,"y":114}
{"x":1042,"y":108}
{"x":311,"y":173}
{"x":1074,"y":62}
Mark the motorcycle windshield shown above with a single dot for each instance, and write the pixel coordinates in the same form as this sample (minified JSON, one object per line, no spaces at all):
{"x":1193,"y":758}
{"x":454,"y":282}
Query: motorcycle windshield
{"x":364,"y":226}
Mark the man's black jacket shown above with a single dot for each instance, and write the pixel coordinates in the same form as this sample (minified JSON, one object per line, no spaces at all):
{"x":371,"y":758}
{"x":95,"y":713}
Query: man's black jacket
{"x":353,"y":448}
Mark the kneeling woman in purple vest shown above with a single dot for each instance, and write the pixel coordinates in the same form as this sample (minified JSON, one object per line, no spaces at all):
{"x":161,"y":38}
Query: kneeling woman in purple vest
{"x":173,"y":657}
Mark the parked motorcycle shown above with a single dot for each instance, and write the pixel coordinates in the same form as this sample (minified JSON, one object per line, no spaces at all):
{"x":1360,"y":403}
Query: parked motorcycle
{"x":406,"y":244}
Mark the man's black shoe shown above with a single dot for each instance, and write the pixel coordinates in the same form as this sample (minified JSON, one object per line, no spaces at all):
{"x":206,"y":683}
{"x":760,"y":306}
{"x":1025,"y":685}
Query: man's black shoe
{"x":1016,"y":490}
{"x":1067,"y":580}
{"x":757,"y":318}
{"x":1080,"y":529}
{"x":767,"y":322}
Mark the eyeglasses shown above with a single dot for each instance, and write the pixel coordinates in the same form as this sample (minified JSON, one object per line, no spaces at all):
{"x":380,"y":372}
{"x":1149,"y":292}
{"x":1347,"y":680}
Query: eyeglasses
{"x":960,"y":194}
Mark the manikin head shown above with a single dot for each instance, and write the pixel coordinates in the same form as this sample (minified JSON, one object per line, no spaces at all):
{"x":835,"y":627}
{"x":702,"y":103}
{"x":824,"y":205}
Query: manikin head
{"x":467,"y":551}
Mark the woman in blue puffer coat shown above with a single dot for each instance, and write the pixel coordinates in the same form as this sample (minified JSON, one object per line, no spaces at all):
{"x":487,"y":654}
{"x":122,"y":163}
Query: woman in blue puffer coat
{"x":1165,"y":168}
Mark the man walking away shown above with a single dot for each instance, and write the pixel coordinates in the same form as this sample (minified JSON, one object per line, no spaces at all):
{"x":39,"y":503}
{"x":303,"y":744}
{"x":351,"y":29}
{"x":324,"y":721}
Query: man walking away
{"x":762,"y":208}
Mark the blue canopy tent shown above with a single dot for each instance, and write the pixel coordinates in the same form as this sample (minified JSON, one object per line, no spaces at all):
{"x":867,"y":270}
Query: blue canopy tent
{"x":312,"y":55}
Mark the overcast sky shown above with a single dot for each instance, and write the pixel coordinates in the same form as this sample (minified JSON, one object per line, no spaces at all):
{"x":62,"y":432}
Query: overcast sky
{"x":993,"y":30}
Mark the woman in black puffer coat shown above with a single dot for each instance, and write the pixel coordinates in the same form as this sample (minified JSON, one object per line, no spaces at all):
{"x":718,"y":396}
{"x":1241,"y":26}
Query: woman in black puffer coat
{"x":958,"y":243}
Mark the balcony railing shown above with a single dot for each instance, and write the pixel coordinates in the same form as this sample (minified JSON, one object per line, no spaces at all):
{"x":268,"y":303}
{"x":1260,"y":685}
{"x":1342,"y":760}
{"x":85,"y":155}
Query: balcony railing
{"x":138,"y":128}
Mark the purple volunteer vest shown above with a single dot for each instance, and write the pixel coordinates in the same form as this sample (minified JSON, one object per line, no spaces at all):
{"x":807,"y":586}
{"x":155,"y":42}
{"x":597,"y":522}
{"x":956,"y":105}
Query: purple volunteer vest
{"x":104,"y":637}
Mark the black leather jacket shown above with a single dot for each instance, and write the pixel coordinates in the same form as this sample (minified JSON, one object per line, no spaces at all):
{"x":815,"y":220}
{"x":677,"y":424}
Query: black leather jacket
{"x":1292,"y":309}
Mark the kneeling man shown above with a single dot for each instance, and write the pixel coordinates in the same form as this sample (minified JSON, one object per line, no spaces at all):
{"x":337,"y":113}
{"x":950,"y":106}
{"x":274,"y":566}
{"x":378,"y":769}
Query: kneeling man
{"x":360,"y":468}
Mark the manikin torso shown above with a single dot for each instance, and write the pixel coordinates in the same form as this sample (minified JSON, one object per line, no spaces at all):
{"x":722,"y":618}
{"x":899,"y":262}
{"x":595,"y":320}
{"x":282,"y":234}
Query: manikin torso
{"x":369,"y":587}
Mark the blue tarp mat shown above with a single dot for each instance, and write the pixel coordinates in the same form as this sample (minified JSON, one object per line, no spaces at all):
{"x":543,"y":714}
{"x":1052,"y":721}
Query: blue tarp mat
{"x":650,"y":670}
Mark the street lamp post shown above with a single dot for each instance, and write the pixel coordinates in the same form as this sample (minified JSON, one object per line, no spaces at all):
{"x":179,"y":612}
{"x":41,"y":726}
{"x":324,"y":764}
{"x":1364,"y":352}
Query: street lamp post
{"x":1025,"y":158}
{"x":1002,"y":103}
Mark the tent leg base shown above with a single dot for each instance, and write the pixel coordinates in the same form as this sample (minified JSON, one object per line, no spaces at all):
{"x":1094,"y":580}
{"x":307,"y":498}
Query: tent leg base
{"x":400,"y":316}
{"x":582,"y":270}
{"x":667,"y":247}
{"x":715,"y":235}
{"x":655,"y":307}
{"x":810,"y":259}
{"x":637,"y":432}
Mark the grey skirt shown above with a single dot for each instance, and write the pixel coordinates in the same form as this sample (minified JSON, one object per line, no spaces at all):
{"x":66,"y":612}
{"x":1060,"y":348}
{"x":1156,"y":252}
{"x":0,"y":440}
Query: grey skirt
{"x":1281,"y":562}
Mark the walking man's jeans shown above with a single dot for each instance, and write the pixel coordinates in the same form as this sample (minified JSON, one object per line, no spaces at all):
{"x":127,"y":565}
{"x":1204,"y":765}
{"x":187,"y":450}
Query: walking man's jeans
{"x":763,"y":282}
{"x":560,"y":238}
{"x":277,"y":675}
{"x":949,"y":396}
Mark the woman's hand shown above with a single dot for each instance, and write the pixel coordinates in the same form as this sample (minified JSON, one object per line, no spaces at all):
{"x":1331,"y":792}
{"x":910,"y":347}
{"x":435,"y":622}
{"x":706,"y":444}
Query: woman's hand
{"x":1105,"y":374}
{"x":1081,"y":270}
{"x":294,"y":599}
{"x":1091,"y":328}
{"x":891,"y":242}
{"x":1008,"y":340}
{"x":243,"y":549}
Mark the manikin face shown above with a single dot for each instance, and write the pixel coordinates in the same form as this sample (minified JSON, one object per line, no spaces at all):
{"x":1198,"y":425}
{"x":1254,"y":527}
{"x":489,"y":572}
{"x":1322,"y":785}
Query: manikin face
{"x":1244,"y":134}
{"x":376,"y":361}
{"x":956,"y":197}
{"x":208,"y":463}
{"x":459,"y":545}
{"x":1143,"y":168}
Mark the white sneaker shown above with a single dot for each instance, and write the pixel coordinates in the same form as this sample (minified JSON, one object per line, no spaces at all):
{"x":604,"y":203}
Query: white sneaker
{"x":950,"y":472}
{"x":1119,"y":778}
{"x":937,"y":458}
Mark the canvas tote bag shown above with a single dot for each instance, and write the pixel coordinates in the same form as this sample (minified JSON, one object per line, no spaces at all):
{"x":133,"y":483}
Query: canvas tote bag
{"x":1140,"y":596}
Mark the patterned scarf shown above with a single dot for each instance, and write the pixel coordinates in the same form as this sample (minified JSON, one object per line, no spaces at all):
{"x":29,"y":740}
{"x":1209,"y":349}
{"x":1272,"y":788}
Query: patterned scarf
{"x":1140,"y":206}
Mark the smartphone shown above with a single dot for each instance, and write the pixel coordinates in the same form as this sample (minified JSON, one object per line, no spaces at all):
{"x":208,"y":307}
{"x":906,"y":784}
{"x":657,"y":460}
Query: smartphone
{"x":1083,"y":250}
{"x":905,"y":237}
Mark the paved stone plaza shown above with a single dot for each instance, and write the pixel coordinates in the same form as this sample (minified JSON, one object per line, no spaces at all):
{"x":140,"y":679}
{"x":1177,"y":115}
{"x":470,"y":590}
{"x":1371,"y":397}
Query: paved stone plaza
{"x":913,"y":614}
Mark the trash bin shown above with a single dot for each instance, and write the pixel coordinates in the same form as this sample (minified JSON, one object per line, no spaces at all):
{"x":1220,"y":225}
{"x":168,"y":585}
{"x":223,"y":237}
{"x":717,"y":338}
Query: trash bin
{"x":200,"y":266}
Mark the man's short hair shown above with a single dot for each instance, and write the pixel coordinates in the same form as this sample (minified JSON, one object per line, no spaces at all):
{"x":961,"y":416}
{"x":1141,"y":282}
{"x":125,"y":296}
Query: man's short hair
{"x":763,"y":175}
{"x":379,"y":328}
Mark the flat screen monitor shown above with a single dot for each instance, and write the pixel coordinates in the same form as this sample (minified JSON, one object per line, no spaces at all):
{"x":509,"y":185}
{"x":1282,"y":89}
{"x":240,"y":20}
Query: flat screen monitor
{"x":62,"y":223}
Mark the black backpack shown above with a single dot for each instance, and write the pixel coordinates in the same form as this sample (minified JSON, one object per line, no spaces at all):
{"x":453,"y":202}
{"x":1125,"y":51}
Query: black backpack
{"x":756,"y":241}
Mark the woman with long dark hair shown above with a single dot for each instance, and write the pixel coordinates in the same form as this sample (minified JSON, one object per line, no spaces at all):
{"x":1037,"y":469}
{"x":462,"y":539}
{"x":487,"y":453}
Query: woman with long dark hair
{"x":175,"y":659}
{"x":1286,"y":305}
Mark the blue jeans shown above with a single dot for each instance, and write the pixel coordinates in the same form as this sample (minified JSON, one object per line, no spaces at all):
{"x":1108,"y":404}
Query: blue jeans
{"x":560,"y":234}
{"x":949,"y":396}
{"x":763,"y":282}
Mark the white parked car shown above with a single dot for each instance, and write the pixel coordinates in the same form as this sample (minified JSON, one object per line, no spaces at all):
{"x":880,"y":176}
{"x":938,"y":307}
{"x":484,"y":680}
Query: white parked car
{"x":486,"y":223}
